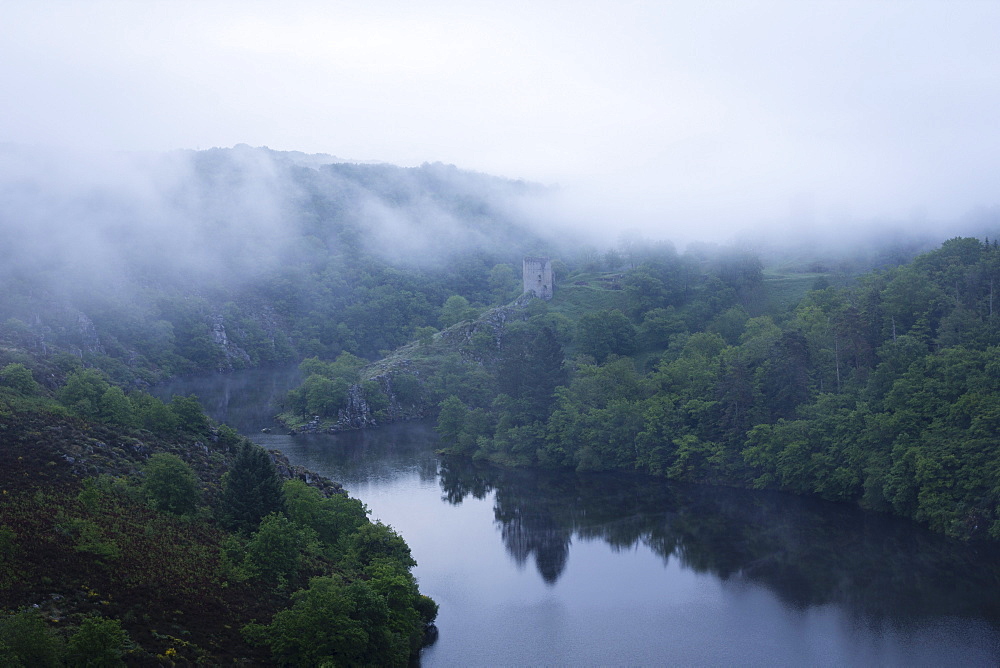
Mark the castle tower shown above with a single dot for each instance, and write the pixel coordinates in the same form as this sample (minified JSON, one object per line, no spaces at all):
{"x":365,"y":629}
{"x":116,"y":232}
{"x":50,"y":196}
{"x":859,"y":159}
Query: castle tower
{"x":538,"y":276}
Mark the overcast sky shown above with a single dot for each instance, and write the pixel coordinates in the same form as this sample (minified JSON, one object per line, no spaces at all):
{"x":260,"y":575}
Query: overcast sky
{"x":649,"y":113}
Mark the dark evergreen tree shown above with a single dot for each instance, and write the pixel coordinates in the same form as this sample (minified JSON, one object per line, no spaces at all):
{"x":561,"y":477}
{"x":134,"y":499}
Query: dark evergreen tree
{"x":786,"y":376}
{"x":531,"y":368}
{"x":251,"y":489}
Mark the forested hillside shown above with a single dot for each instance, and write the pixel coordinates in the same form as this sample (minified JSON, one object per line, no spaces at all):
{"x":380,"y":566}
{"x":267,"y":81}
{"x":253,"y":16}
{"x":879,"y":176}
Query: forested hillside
{"x":804,"y":374}
{"x":885,"y":393}
{"x":134,"y":531}
{"x":152,"y":266}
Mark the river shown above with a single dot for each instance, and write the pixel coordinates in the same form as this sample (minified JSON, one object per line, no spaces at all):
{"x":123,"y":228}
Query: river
{"x":558,"y":568}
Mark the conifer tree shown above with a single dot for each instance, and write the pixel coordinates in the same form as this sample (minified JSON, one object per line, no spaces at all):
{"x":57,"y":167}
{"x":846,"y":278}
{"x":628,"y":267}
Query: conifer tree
{"x":251,"y":489}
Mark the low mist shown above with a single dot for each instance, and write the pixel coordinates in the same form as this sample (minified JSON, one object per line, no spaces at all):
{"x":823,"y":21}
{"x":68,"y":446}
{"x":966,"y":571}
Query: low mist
{"x":79,"y":222}
{"x":93,"y":221}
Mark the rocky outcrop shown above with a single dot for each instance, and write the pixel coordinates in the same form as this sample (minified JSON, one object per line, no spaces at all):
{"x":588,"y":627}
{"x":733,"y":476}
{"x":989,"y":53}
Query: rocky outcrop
{"x":235,"y":356}
{"x":359,"y":414}
{"x":493,"y":324}
{"x":477,"y":342}
{"x":89,"y":339}
{"x":287,"y":471}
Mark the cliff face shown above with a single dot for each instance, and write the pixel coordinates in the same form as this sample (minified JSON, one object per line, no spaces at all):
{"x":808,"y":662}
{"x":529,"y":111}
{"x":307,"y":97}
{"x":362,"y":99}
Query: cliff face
{"x":234,"y":355}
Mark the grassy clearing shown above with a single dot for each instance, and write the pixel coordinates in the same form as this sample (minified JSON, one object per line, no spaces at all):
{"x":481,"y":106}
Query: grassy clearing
{"x":574,"y":301}
{"x":784,"y":291}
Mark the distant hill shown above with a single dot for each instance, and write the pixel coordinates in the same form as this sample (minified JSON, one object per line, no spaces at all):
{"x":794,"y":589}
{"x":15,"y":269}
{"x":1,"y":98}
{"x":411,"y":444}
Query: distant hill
{"x":156,"y":264}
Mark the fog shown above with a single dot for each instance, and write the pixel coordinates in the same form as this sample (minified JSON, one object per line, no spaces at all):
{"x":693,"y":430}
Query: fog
{"x":680,"y":120}
{"x":226,"y":217}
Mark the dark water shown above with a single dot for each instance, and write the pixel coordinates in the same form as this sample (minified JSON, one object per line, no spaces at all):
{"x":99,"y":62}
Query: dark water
{"x":543,"y":568}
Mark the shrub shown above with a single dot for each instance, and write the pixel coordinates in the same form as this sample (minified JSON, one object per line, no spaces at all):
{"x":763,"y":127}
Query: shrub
{"x":18,"y":377}
{"x":99,"y":642}
{"x":28,"y":640}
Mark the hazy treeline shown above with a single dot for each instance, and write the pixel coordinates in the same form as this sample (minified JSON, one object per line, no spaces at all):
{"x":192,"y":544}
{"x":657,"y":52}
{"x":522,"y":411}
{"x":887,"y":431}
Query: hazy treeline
{"x":154,"y":265}
{"x":885,"y":394}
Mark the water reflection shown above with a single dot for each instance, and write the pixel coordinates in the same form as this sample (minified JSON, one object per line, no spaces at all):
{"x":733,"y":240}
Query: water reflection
{"x":808,"y":553}
{"x":907,"y":597}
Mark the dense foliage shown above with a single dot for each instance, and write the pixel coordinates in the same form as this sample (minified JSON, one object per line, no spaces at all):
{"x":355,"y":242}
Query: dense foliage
{"x":134,"y":531}
{"x":885,"y":394}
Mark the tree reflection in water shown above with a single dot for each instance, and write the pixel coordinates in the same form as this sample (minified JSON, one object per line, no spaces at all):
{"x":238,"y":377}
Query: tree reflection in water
{"x":807,"y":552}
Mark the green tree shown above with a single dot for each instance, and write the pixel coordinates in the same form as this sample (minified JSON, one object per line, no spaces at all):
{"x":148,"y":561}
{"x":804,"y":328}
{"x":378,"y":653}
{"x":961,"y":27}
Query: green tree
{"x":190,"y":416}
{"x":409,"y":612}
{"x":645,"y":292}
{"x":18,"y":377}
{"x":407,"y":389}
{"x":324,"y":396}
{"x":28,"y":640}
{"x":98,"y":643}
{"x":605,"y":333}
{"x":503,"y":283}
{"x":331,"y":623}
{"x":251,"y":489}
{"x":451,"y":420}
{"x":170,"y":484}
{"x":659,"y":324}
{"x":374,"y":540}
{"x":425,"y":336}
{"x":115,"y":408}
{"x":456,"y":309}
{"x":330,"y":518}
{"x":82,"y":391}
{"x":531,"y":367}
{"x":152,"y":414}
{"x":276,"y":549}
{"x":374,"y":396}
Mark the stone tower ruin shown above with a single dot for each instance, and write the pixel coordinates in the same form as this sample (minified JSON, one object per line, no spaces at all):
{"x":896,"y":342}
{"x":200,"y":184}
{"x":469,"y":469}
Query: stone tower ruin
{"x":538,"y":276}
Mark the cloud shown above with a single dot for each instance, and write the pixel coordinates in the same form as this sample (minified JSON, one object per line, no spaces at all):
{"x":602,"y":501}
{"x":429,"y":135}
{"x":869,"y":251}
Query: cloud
{"x":668,"y":115}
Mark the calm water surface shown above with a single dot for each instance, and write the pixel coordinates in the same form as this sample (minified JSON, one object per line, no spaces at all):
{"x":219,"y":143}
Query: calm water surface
{"x":543,"y":568}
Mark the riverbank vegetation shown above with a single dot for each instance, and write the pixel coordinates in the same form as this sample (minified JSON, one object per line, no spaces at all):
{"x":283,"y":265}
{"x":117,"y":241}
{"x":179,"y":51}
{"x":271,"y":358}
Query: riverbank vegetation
{"x":702,"y":367}
{"x":884,"y":394}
